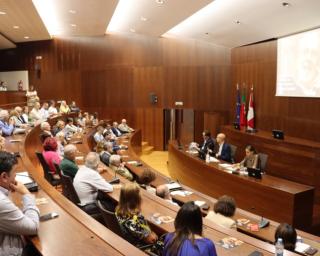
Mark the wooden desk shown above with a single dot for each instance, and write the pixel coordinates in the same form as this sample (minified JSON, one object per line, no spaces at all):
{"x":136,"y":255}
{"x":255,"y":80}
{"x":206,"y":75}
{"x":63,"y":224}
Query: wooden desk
{"x":292,"y":158}
{"x":73,"y":232}
{"x":271,"y":197}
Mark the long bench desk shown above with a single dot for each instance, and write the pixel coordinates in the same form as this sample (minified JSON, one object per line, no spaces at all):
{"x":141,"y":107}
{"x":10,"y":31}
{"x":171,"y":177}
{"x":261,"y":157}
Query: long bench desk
{"x":73,"y":232}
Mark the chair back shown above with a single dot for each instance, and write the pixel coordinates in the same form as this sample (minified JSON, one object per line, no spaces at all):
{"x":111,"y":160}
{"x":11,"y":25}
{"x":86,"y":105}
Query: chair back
{"x":58,"y":170}
{"x":47,"y":174}
{"x":110,"y":219}
{"x":263,"y":161}
{"x":68,"y":189}
{"x":233,"y":152}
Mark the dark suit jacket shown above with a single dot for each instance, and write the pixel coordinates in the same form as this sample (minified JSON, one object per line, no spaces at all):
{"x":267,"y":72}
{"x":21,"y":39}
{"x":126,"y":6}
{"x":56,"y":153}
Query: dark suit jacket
{"x":116,"y":132}
{"x":209,"y":144}
{"x":225,"y":153}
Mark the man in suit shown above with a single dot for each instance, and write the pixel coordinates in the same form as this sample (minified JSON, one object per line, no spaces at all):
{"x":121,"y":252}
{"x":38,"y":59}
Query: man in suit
{"x":224,"y":150}
{"x":115,"y":129}
{"x":208,"y":144}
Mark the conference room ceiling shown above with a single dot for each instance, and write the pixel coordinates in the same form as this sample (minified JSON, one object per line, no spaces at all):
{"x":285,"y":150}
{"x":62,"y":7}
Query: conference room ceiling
{"x":230,"y":23}
{"x":5,"y":43}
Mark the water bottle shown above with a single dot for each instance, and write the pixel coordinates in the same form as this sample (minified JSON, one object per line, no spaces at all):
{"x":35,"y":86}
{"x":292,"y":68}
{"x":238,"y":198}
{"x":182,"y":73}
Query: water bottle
{"x":207,"y":158}
{"x":279,"y":247}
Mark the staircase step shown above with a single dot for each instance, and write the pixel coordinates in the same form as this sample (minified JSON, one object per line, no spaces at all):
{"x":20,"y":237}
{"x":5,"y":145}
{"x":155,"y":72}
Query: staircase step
{"x":147,"y":150}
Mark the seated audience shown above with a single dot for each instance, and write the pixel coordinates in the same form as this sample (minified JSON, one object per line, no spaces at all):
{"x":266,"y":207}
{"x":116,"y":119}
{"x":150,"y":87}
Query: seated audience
{"x":251,"y":159}
{"x":223,"y":150}
{"x":223,"y":212}
{"x":25,"y":114}
{"x":118,"y":167}
{"x":109,"y":131}
{"x":98,"y":136}
{"x":86,"y":119}
{"x":88,"y":181}
{"x":45,"y":131}
{"x":145,"y":179}
{"x":52,"y":109}
{"x":134,"y":226}
{"x":80,"y":122}
{"x":164,"y":192}
{"x":70,"y":128}
{"x":18,"y":117}
{"x":115,"y":129}
{"x":105,"y":150}
{"x":15,"y":223}
{"x":108,"y":138}
{"x":2,"y":143}
{"x":64,"y":108}
{"x":187,"y":238}
{"x":73,"y":107}
{"x":6,"y":124}
{"x":288,"y":235}
{"x":59,"y":127}
{"x":61,"y":143}
{"x":124,"y":128}
{"x":208,"y":145}
{"x":94,"y":119}
{"x":50,"y":154}
{"x":68,"y":165}
{"x":44,"y":111}
{"x":35,"y":114}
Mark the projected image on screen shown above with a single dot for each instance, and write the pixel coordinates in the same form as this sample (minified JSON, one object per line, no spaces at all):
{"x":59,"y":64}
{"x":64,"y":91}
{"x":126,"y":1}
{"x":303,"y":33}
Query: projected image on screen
{"x":298,"y":66}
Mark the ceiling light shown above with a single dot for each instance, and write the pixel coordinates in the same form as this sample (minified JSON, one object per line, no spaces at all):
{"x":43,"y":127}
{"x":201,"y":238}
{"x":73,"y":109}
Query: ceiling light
{"x":142,"y":18}
{"x":207,"y":33}
{"x":132,"y":30}
{"x":285,"y":4}
{"x":2,"y":13}
{"x":73,"y":25}
{"x":72,"y":11}
{"x":26,"y":37}
{"x":160,"y":1}
{"x":237,"y":22}
{"x":16,"y":27}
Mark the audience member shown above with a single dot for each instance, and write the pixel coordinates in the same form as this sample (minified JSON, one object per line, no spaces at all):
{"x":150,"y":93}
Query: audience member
{"x":145,"y":179}
{"x":44,"y":111}
{"x":59,"y":127}
{"x":68,"y":165}
{"x":251,"y":159}
{"x":105,"y":150}
{"x":73,"y":107}
{"x":32,"y":96}
{"x":18,"y":117}
{"x":118,"y":167}
{"x":15,"y":223}
{"x":6,"y":124}
{"x":25,"y":114}
{"x":187,"y":238}
{"x":115,"y":129}
{"x":70,"y":128}
{"x":164,"y":192}
{"x":64,"y":108}
{"x":50,"y":154}
{"x":98,"y":136}
{"x":61,"y":143}
{"x":88,"y":181}
{"x":45,"y":131}
{"x":288,"y":235}
{"x":124,"y":128}
{"x":94,"y":119}
{"x":52,"y":109}
{"x":35,"y":114}
{"x":223,"y":212}
{"x":223,"y":151}
{"x":132,"y":223}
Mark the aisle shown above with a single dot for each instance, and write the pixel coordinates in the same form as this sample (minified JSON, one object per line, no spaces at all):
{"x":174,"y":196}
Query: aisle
{"x":157,"y":160}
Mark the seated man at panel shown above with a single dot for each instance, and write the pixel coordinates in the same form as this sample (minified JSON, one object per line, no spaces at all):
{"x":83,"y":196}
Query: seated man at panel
{"x":164,"y":192}
{"x":88,"y":181}
{"x":208,"y":144}
{"x":68,"y":165}
{"x":224,"y":150}
{"x":115,"y":129}
{"x":6,"y":124}
{"x":223,"y":212}
{"x":44,"y":111}
{"x":118,"y":167}
{"x":15,"y":223}
{"x":124,"y":128}
{"x":45,"y":131}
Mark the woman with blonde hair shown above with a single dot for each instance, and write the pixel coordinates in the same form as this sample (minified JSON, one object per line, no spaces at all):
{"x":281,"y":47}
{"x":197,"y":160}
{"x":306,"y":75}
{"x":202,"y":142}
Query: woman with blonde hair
{"x":132,"y":223}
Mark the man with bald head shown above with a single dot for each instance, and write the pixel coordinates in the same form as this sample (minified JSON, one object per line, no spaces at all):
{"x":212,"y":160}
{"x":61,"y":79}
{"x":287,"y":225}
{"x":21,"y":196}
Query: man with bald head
{"x":68,"y":165}
{"x":224,"y":149}
{"x":124,"y":127}
{"x":164,"y":192}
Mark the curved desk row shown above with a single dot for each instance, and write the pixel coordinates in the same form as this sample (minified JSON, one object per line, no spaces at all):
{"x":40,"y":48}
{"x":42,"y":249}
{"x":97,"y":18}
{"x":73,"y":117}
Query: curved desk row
{"x":73,"y":232}
{"x":153,"y":204}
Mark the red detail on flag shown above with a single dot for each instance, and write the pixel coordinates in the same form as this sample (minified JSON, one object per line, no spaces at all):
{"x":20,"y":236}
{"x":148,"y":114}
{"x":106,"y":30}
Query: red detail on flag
{"x":243,"y":114}
{"x":251,"y":111}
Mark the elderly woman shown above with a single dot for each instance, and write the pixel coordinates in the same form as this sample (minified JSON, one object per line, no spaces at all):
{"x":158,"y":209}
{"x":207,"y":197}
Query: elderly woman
{"x":35,"y":114}
{"x":50,"y":153}
{"x":60,"y":136}
{"x":6,"y":124}
{"x":64,"y":108}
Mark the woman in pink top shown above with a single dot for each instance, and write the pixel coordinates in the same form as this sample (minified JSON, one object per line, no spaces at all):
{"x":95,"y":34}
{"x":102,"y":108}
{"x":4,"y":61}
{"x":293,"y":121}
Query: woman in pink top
{"x":50,"y":153}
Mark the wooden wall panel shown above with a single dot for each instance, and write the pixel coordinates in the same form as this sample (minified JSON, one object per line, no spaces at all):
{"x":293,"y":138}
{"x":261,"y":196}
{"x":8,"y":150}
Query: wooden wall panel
{"x":256,"y":64}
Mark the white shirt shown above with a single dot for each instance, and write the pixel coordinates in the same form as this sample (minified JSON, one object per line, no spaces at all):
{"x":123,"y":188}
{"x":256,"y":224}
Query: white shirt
{"x":52,"y":111}
{"x":220,"y":149}
{"x":221,"y":220}
{"x":14,"y":223}
{"x":35,"y":114}
{"x":98,"y":137}
{"x":44,"y":113}
{"x":87,"y":182}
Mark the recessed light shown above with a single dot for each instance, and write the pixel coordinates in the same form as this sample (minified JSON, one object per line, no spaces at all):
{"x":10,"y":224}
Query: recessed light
{"x":237,"y":22}
{"x":160,"y":1}
{"x":73,"y":25}
{"x":285,"y":4}
{"x":207,"y":33}
{"x":72,"y":11}
{"x":132,"y":30}
{"x":142,"y":18}
{"x":16,"y":27}
{"x":2,"y":13}
{"x":26,"y":37}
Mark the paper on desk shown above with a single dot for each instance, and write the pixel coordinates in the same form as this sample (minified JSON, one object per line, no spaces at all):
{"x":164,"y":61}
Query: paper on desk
{"x":301,"y":247}
{"x":181,"y":193}
{"x":23,"y":177}
{"x":15,"y":140}
{"x":199,"y":203}
{"x":132,"y":162}
{"x":42,"y":200}
{"x":225,"y":165}
{"x":213,"y":160}
{"x":79,"y":157}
